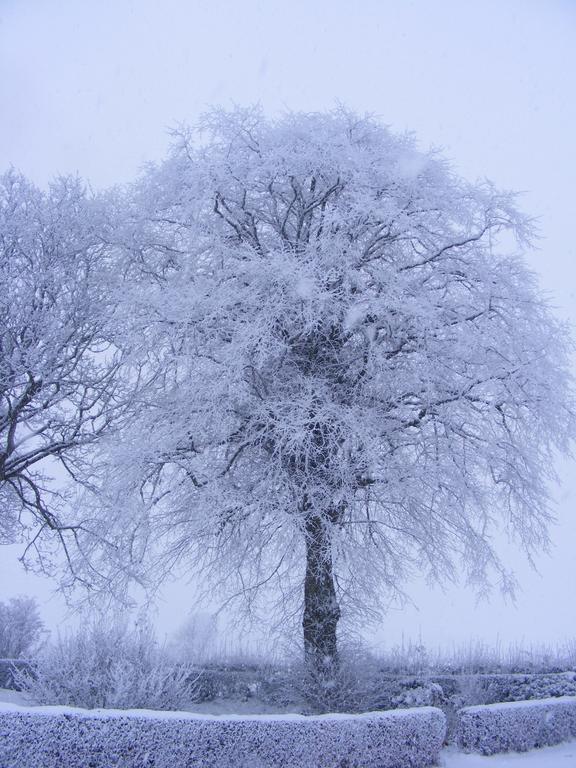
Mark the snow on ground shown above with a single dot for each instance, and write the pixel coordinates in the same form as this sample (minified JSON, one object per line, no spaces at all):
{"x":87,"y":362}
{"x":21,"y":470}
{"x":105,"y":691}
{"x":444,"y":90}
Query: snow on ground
{"x":13,"y":697}
{"x":252,"y":706}
{"x":560,"y":756}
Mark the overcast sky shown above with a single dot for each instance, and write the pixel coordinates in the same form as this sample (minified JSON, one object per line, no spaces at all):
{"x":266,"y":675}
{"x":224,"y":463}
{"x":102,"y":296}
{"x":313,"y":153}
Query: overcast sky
{"x":92,"y":87}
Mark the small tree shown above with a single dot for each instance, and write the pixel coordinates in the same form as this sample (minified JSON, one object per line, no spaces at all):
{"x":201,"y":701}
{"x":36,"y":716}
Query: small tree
{"x":358,"y":381}
{"x":21,"y":628}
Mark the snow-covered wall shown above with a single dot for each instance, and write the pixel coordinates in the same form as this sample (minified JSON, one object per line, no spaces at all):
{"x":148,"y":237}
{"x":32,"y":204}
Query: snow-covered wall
{"x":518,"y":725}
{"x":52,"y":737}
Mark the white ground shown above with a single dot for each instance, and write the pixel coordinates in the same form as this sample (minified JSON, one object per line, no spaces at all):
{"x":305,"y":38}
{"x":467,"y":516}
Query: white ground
{"x":252,"y":706}
{"x":561,"y":756}
{"x":12,"y":697}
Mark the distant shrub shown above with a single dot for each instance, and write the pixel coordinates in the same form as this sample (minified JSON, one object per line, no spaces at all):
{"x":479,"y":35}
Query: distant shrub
{"x":195,"y":640}
{"x":359,"y":686}
{"x":362,"y":685}
{"x":423,"y":694}
{"x":477,"y":657}
{"x":108,"y":666}
{"x":501,"y":688}
{"x":492,"y":689}
{"x":22,"y":630}
{"x":354,"y":688}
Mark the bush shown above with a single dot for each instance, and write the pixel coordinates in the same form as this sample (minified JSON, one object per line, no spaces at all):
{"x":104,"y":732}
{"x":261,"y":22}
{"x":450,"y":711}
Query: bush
{"x":108,"y":666}
{"x":9,"y":668}
{"x":516,"y":726}
{"x":501,"y":688}
{"x":75,"y":739}
{"x":352,"y":689}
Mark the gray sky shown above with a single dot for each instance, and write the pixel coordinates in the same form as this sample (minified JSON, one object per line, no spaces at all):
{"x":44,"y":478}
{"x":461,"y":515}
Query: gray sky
{"x":92,"y":87}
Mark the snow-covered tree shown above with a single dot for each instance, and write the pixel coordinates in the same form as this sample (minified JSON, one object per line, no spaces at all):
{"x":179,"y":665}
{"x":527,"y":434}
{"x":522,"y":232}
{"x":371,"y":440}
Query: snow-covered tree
{"x":360,"y":377}
{"x":60,"y":387}
{"x":22,"y":630}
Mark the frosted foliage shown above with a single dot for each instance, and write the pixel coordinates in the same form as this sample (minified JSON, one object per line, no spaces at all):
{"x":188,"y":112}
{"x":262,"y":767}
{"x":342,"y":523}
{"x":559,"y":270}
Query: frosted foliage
{"x":108,"y":666}
{"x":419,"y":696}
{"x":341,"y":352}
{"x":516,"y":726}
{"x":55,"y":737}
{"x":60,"y":383}
{"x":21,"y":628}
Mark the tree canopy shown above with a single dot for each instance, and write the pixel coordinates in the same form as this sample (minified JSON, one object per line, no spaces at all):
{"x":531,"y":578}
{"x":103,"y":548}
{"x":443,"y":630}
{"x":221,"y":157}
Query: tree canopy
{"x":360,"y":377}
{"x":350,"y":374}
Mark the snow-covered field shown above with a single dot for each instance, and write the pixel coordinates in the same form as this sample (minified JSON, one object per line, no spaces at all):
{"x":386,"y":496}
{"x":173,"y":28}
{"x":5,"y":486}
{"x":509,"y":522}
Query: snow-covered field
{"x":13,"y":697}
{"x":560,"y":756}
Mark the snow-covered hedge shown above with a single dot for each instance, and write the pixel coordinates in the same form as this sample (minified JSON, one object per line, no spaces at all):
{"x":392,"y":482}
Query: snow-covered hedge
{"x":498,"y":688}
{"x":517,"y":726}
{"x":51,"y":737}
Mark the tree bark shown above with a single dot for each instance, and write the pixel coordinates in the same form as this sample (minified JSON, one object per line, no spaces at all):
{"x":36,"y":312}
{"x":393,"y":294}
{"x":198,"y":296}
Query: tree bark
{"x":321,"y":609}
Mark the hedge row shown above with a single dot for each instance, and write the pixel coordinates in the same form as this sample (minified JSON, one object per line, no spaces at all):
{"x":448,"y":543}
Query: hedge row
{"x":516,"y":726}
{"x":51,"y":737}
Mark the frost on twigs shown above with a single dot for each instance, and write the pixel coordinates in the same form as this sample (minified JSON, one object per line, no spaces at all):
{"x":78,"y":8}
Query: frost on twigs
{"x":55,"y":737}
{"x":110,"y":666}
{"x":63,"y":377}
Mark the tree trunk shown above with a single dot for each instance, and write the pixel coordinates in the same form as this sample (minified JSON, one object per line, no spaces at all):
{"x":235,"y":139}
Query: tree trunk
{"x":321,"y":609}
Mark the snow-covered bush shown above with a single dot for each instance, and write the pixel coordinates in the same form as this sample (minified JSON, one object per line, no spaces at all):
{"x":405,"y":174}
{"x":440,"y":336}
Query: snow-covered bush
{"x":8,"y":669}
{"x":516,"y":726}
{"x":353,"y":688}
{"x":55,"y":737}
{"x":513,"y":687}
{"x":360,"y":685}
{"x":424,"y":694}
{"x":108,"y":666}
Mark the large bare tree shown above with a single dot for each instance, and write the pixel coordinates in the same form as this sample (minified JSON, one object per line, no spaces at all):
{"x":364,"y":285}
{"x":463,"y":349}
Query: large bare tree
{"x":359,"y":377}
